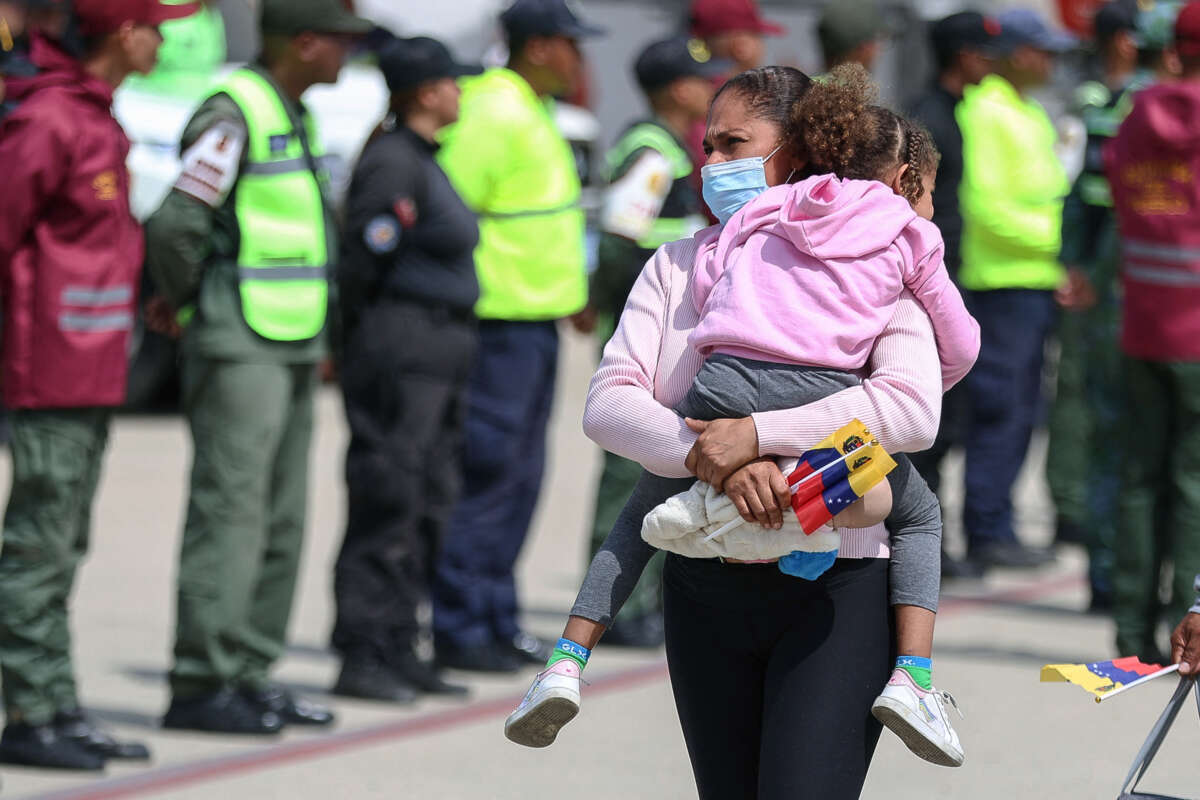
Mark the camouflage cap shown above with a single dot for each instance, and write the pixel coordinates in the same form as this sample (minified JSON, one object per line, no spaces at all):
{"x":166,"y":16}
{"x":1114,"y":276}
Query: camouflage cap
{"x":1155,"y":27}
{"x":291,"y":17}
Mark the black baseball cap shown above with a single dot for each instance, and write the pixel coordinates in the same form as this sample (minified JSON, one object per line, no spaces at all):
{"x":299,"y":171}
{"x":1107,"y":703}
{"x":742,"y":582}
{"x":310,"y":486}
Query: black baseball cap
{"x":406,"y":63}
{"x":966,"y":30}
{"x":526,"y":18}
{"x":1114,"y":17}
{"x":671,"y":59}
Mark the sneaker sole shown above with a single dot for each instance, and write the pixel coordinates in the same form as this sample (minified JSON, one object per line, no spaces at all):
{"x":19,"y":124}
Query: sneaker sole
{"x":538,"y":726}
{"x":913,"y":731}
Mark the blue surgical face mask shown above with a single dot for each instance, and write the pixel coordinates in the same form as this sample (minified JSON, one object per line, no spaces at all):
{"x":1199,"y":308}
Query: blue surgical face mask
{"x":732,"y":184}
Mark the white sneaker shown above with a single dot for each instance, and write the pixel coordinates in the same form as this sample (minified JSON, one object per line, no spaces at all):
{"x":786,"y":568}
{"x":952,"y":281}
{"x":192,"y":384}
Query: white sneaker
{"x":550,"y":703}
{"x":920,"y":719}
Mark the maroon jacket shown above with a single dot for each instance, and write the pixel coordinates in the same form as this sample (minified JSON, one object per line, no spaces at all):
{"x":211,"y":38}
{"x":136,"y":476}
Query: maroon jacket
{"x":70,"y":250}
{"x":1153,"y":165}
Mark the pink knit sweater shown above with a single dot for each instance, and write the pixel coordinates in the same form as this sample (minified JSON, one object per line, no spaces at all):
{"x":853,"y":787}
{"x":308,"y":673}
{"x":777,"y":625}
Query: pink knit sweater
{"x":648,"y":367}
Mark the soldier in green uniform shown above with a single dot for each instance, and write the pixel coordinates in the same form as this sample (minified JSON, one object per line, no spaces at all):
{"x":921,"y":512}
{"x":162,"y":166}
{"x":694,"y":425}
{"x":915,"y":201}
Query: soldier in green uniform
{"x":651,"y":201}
{"x":1083,"y":465}
{"x":243,"y":248}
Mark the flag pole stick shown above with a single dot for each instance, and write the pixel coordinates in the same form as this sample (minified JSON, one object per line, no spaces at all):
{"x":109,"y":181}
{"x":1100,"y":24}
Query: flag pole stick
{"x":1167,"y":671}
{"x":733,"y":523}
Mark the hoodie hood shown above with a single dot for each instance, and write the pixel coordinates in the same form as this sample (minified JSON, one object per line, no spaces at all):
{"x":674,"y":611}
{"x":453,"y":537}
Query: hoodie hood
{"x":828,"y":217}
{"x":1166,"y":118}
{"x":58,"y":69}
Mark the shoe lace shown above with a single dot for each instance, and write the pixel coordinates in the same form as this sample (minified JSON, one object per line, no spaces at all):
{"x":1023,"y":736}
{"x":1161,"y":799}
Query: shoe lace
{"x":944,"y":697}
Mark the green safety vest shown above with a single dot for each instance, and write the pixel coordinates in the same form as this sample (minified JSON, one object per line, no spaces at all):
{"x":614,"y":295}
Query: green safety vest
{"x":513,"y":168}
{"x":283,"y":257}
{"x":647,"y":135}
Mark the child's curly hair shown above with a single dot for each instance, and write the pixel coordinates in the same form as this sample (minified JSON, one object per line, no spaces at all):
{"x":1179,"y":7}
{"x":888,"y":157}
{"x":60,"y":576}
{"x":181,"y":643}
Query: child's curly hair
{"x":842,"y":131}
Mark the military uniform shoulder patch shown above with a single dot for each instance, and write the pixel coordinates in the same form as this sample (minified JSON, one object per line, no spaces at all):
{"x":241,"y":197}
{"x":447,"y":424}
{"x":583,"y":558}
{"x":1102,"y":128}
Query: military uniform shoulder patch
{"x":382,"y":235}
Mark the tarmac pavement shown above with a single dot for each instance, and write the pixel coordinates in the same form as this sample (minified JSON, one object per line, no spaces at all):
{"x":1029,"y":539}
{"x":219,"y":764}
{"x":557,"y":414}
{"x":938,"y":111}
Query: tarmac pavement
{"x":1023,"y":739}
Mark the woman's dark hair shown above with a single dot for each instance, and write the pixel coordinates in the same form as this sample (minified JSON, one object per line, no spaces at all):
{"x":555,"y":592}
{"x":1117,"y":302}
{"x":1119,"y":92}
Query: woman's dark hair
{"x":841,"y":131}
{"x":770,"y":93}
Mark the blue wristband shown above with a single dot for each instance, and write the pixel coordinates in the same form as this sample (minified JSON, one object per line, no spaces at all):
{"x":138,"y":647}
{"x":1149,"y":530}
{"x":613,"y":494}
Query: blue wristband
{"x":575,"y":649}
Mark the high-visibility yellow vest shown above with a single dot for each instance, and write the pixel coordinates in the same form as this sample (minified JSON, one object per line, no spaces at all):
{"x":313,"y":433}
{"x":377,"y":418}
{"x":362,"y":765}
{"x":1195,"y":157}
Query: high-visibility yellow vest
{"x":513,"y":168}
{"x":283,"y":257}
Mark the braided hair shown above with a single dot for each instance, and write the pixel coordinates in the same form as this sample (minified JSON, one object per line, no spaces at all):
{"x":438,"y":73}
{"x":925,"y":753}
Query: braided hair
{"x":837,"y":124}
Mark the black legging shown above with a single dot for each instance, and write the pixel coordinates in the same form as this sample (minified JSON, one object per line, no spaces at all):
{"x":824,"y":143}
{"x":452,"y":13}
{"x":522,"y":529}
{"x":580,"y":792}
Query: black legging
{"x":774,"y":676}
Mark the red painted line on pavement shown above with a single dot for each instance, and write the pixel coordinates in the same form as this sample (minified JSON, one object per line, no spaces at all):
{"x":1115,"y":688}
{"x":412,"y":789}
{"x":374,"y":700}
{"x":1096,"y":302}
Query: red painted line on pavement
{"x":211,"y":769}
{"x":216,"y":768}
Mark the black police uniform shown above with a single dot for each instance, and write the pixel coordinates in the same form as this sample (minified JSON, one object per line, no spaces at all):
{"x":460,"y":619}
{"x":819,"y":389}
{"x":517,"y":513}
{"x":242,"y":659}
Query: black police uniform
{"x":407,"y":288}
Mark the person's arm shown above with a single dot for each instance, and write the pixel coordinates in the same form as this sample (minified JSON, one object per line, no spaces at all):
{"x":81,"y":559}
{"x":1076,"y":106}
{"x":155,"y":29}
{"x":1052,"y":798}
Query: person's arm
{"x":179,"y":233}
{"x":900,"y":401}
{"x":955,"y":330}
{"x":621,"y":414}
{"x":35,"y":161}
{"x":388,"y":178}
{"x":1185,"y":641}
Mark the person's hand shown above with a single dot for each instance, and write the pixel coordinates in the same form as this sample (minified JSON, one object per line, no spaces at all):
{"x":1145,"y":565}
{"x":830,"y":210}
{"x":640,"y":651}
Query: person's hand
{"x":759,"y":492}
{"x":723,"y":446}
{"x":1077,"y":294}
{"x":585,"y":321}
{"x":1185,"y":645}
{"x":160,"y":317}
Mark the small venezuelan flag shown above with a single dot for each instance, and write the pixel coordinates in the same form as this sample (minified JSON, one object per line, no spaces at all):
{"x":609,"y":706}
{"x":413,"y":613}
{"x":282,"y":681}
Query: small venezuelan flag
{"x":1101,"y":677}
{"x":836,"y":473}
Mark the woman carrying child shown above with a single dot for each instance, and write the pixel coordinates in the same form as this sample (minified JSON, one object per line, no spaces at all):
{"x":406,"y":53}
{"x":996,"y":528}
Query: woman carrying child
{"x":752,"y":650}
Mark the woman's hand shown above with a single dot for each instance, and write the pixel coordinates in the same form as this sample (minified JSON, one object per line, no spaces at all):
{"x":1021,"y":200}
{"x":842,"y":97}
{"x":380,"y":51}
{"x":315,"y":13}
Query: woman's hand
{"x":759,"y":492}
{"x":723,"y":446}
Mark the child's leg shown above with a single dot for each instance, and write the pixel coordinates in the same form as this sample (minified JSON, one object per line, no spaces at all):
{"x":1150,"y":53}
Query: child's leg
{"x":909,"y":705}
{"x":554,"y":699}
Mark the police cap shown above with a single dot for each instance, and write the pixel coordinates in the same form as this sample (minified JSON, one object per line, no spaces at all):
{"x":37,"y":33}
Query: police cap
{"x":406,"y":63}
{"x":526,"y":18}
{"x":671,"y":59}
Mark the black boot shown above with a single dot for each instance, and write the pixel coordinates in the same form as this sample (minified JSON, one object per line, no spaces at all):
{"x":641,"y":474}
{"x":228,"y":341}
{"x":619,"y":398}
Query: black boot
{"x":274,"y":699}
{"x":529,"y":649}
{"x":424,"y":677}
{"x":75,"y":726}
{"x":223,"y":711}
{"x":368,"y":678}
{"x":487,"y":657}
{"x":42,"y":746}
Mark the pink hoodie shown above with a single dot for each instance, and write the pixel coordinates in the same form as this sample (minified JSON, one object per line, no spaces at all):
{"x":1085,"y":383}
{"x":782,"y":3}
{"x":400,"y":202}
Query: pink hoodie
{"x":810,"y":273}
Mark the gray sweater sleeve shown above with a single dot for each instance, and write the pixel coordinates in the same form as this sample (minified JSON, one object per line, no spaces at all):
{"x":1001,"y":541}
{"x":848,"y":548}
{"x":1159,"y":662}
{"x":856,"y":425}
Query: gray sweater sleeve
{"x":620,"y":561}
{"x":915,"y":525}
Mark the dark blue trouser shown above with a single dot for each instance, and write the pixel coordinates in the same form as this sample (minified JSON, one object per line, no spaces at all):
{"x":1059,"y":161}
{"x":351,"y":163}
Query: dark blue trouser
{"x":1005,"y":390}
{"x":508,"y":406}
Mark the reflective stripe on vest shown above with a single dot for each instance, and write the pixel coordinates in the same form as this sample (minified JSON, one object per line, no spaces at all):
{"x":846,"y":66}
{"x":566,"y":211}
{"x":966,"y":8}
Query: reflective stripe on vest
{"x":653,"y":137}
{"x":283,"y":257}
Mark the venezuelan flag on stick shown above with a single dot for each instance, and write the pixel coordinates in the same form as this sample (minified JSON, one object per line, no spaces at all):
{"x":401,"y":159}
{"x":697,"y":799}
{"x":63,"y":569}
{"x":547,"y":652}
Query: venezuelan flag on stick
{"x":1106,"y":678}
{"x":836,"y":473}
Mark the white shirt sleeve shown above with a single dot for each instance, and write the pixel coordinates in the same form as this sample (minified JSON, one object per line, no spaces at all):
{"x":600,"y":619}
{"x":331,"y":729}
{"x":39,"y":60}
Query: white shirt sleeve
{"x":210,"y":165}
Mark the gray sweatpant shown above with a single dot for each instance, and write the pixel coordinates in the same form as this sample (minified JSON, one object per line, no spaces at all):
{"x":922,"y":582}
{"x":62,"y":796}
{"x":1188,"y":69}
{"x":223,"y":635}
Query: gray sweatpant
{"x":729,"y":387}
